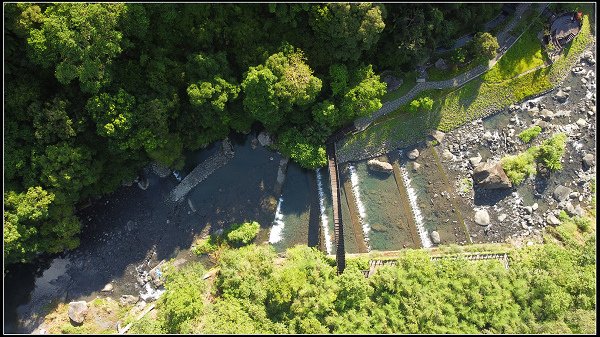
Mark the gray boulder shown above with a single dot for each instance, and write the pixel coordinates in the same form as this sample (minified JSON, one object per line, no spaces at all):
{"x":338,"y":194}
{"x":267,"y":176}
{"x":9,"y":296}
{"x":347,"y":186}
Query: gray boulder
{"x":380,"y":166}
{"x":546,"y":115}
{"x":435,"y":237}
{"x":475,"y":160}
{"x":561,"y":96}
{"x":264,"y":138}
{"x":416,"y":166}
{"x":412,"y":155}
{"x":441,"y":64}
{"x":561,"y":193}
{"x":502,"y":217}
{"x":490,"y":175}
{"x":129,"y":299}
{"x":552,"y":220}
{"x":588,"y":161}
{"x":581,"y":122}
{"x":438,"y":135}
{"x":482,"y":217}
{"x":77,"y":311}
{"x":160,"y":169}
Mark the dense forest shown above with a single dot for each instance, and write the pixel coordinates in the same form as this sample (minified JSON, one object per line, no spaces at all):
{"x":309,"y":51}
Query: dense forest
{"x":94,"y":92}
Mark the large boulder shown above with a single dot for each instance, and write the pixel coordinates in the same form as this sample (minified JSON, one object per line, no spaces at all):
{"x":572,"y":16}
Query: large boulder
{"x":490,"y":175}
{"x":552,"y":220}
{"x":380,"y":166}
{"x":264,"y":138}
{"x":77,"y":311}
{"x":441,"y":64}
{"x":129,"y":299}
{"x":412,"y":155}
{"x":482,"y":217}
{"x":561,"y":193}
{"x":588,"y":161}
{"x":546,"y":115}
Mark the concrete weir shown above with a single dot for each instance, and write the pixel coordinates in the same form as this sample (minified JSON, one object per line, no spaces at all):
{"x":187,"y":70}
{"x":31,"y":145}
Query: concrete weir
{"x":202,"y":171}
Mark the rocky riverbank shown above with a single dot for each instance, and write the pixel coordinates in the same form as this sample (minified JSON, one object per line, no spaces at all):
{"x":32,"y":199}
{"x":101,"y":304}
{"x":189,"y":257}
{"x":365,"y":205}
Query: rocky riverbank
{"x":520,"y":213}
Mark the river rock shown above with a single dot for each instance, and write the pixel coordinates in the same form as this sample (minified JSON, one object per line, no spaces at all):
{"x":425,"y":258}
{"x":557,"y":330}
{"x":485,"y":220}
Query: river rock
{"x":588,"y":57}
{"x":435,"y":237}
{"x":588,"y":161}
{"x":416,"y":166}
{"x":475,"y":160}
{"x":412,"y":155}
{"x":438,"y":135}
{"x":490,"y":175}
{"x":579,"y":211}
{"x":561,"y":96}
{"x":160,"y":169}
{"x":502,"y":217}
{"x":128,"y":299}
{"x":528,"y":209}
{"x":108,"y":287}
{"x":447,"y":155}
{"x":77,"y":311}
{"x":581,"y":122}
{"x":535,"y":206}
{"x":552,"y":220}
{"x":482,"y":217}
{"x":380,"y":166}
{"x":488,"y":135}
{"x":546,"y":115}
{"x":264,"y":138}
{"x":561,"y":193}
{"x":534,"y":110}
{"x":569,"y":208}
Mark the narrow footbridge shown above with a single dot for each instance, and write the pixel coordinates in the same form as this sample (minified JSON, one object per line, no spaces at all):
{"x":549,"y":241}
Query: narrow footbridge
{"x":338,"y":225}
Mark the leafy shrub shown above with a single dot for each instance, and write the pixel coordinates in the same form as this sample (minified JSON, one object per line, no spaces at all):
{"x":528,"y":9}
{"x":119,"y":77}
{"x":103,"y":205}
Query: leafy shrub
{"x":183,"y":298}
{"x":243,"y":233}
{"x":519,"y":167}
{"x":528,"y":134}
{"x":551,"y":151}
{"x":583,"y":224}
{"x":205,"y":246}
{"x":421,"y":104}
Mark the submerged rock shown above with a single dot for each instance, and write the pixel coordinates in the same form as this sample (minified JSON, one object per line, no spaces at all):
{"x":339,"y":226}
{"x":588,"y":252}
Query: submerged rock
{"x":491,"y":176}
{"x":108,"y":287}
{"x":482,"y":217}
{"x":380,"y":166}
{"x":416,"y":166}
{"x":77,"y":311}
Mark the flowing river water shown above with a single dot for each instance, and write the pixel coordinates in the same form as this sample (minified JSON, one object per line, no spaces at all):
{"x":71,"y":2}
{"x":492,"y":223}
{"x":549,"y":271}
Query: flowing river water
{"x":134,"y":228}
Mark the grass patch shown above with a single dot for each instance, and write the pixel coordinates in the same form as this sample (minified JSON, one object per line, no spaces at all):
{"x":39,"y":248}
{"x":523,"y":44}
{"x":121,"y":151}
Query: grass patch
{"x":236,"y":235}
{"x":524,"y":55}
{"x":528,"y":134}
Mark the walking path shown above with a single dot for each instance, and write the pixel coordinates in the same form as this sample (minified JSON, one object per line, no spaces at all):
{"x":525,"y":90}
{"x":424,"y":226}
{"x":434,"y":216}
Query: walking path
{"x":505,"y":40}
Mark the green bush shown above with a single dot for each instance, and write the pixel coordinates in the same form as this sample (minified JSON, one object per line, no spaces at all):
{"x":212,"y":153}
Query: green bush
{"x":528,"y":134}
{"x":183,"y":299}
{"x":519,"y":167}
{"x":206,"y":246}
{"x":583,"y":224}
{"x":551,"y":151}
{"x":243,"y":233}
{"x":423,"y":104}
